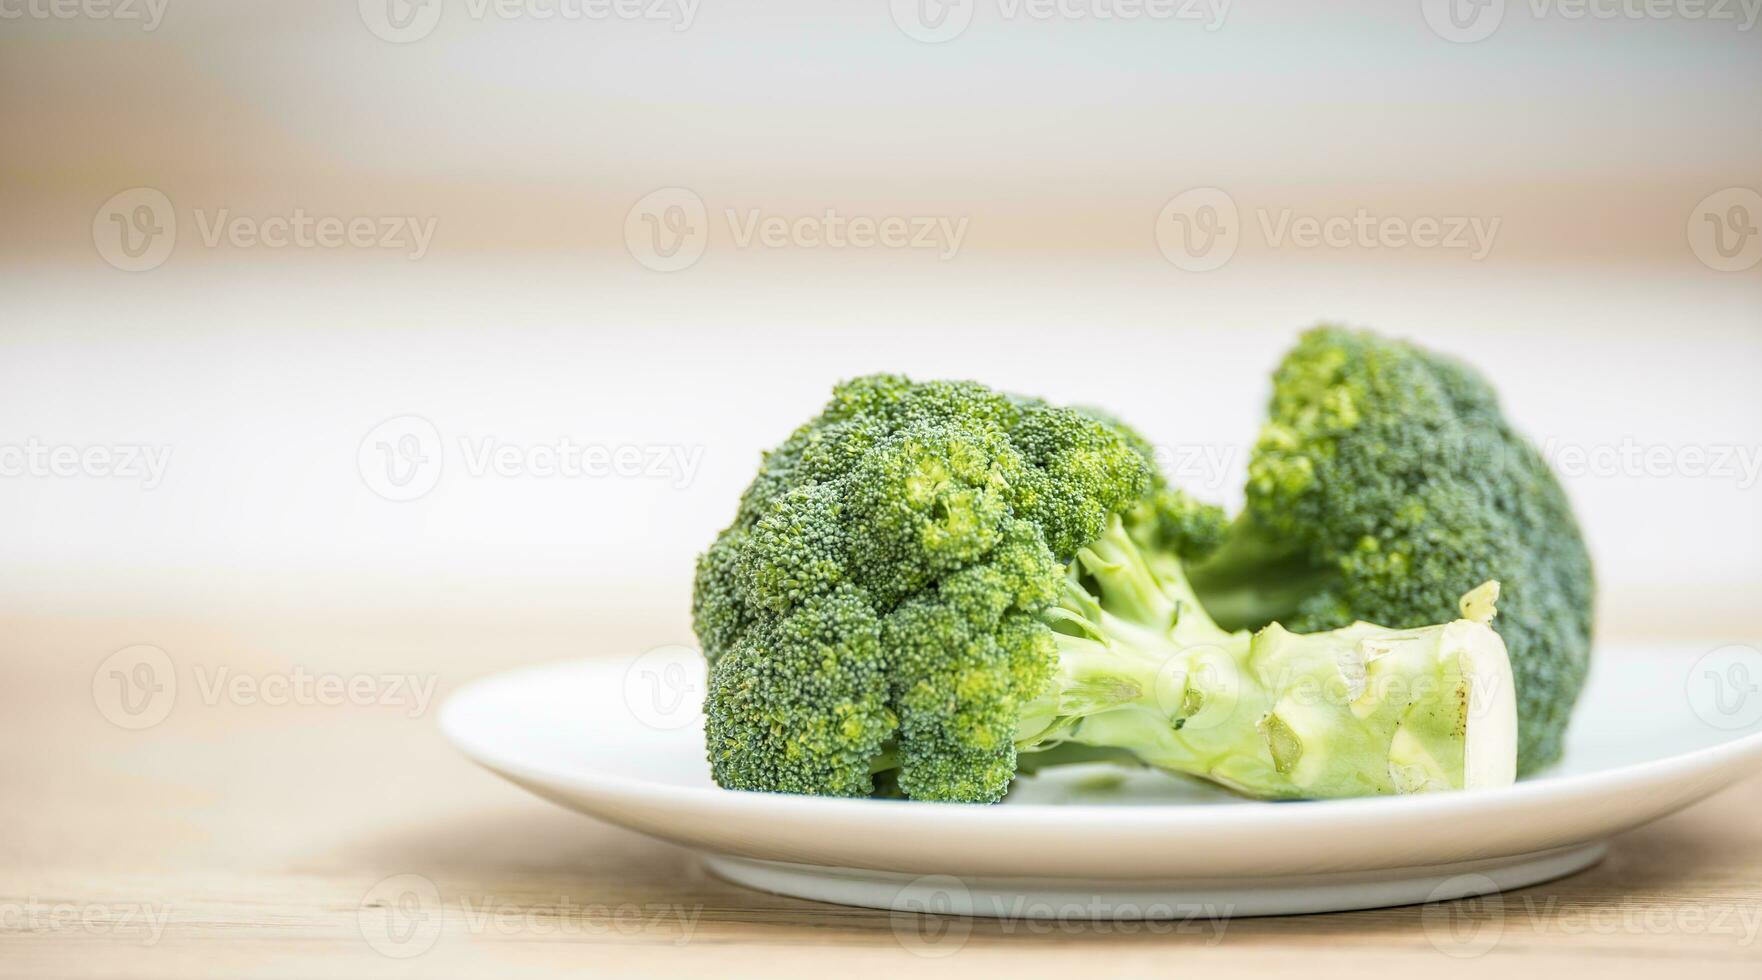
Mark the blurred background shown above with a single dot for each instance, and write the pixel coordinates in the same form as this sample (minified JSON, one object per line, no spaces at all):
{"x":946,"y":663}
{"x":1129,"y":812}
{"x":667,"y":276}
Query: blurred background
{"x":483,"y":310}
{"x":385,"y":344}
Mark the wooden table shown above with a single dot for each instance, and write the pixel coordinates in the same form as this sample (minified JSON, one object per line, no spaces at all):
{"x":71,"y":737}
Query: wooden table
{"x":246,"y":837}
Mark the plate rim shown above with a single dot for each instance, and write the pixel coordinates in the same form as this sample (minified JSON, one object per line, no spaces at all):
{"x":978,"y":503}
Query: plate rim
{"x":1358,"y":812}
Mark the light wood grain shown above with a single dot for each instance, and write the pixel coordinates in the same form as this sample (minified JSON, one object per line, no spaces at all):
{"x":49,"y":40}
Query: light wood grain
{"x":253,"y":835}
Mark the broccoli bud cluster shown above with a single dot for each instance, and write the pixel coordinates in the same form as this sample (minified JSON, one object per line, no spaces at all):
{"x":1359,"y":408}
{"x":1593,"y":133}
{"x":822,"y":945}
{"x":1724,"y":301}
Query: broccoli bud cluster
{"x":876,"y":603}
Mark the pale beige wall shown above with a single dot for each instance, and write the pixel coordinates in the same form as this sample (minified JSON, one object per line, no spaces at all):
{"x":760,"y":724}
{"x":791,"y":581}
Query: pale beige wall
{"x":1055,"y":144}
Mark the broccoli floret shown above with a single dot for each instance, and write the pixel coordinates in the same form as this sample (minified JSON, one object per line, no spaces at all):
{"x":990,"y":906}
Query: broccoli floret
{"x":931,"y":586}
{"x":875,"y":604}
{"x":803,"y":699}
{"x":1385,"y":483}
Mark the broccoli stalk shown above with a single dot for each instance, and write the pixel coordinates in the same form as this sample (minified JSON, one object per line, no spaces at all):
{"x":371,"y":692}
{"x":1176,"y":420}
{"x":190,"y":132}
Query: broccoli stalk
{"x":1255,"y":577}
{"x":1144,"y":673}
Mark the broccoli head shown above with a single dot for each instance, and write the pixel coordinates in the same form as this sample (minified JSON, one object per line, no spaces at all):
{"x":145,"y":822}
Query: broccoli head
{"x":1386,"y":482}
{"x":875,"y":604}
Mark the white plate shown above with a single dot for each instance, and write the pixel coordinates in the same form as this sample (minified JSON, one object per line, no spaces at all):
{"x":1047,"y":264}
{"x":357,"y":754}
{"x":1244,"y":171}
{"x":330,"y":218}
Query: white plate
{"x":621,"y":739}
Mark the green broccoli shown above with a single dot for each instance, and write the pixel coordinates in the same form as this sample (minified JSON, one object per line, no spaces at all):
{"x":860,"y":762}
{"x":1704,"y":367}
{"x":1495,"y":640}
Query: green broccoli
{"x":931,"y":586}
{"x":1385,"y":482}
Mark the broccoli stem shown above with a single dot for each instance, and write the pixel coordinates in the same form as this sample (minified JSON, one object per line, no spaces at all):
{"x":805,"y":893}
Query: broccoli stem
{"x":1256,"y":578}
{"x":1352,"y":712}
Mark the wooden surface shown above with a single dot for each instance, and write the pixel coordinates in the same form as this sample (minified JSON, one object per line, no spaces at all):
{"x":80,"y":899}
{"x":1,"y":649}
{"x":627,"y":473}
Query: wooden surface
{"x":241,"y":838}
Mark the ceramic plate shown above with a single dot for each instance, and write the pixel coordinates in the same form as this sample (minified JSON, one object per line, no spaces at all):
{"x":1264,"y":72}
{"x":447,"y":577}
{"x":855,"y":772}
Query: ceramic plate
{"x":621,"y":739}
